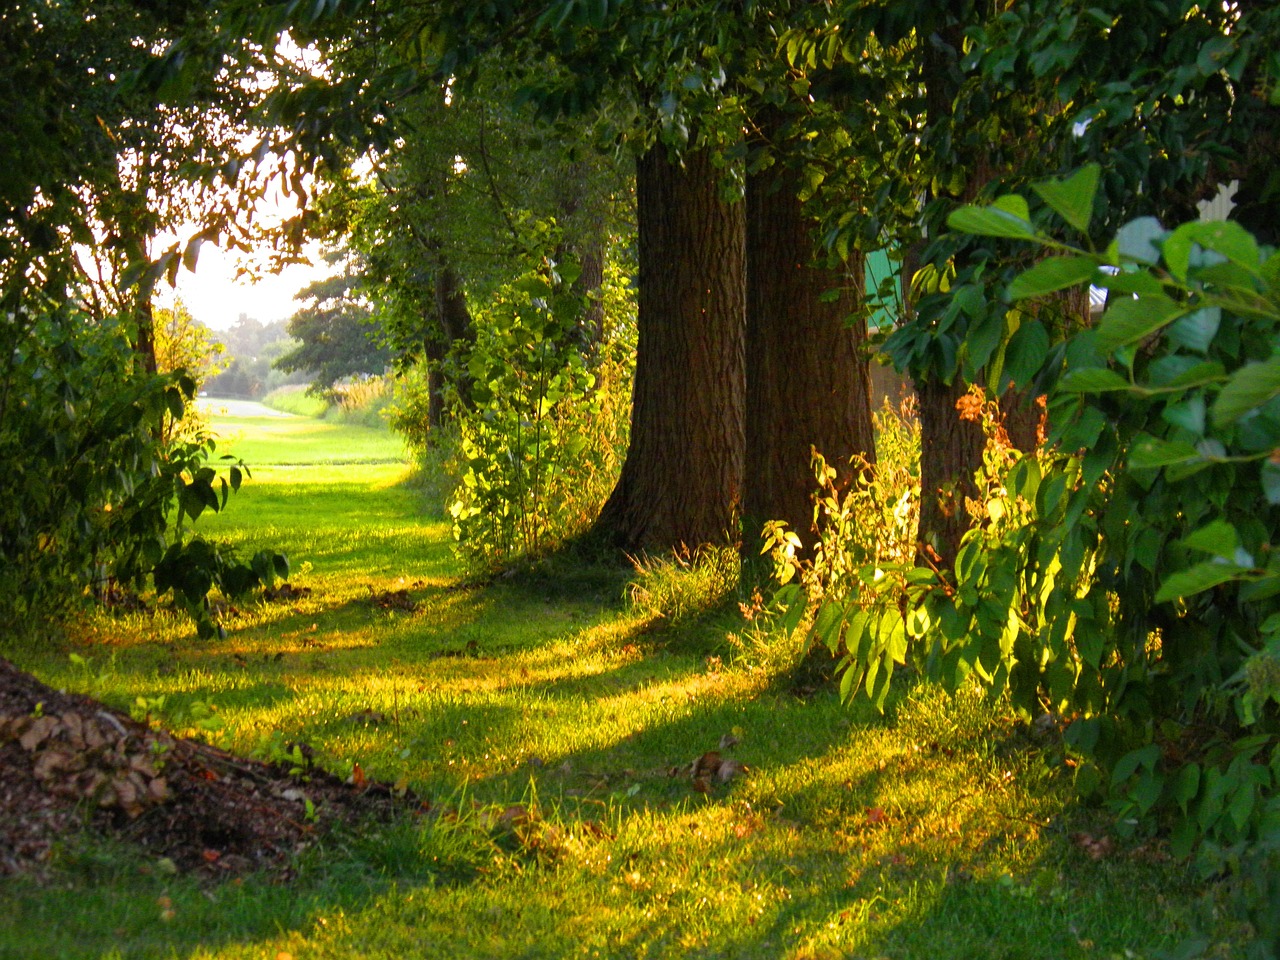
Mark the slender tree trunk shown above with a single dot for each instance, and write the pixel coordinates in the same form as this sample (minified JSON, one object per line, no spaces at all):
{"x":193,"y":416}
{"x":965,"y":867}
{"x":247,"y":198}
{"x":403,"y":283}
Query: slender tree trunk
{"x":951,"y":448}
{"x":144,"y":343}
{"x":585,"y":244}
{"x":455,"y":320}
{"x":808,"y":383}
{"x":951,"y":452}
{"x":682,"y":479}
{"x":1025,"y":419}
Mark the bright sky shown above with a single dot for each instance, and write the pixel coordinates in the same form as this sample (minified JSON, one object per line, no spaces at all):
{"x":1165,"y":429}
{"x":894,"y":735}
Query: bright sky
{"x":216,"y":298}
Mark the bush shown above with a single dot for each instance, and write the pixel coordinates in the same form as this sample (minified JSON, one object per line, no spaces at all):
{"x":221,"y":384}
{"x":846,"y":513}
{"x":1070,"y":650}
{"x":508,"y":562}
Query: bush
{"x":1123,"y":577}
{"x":543,"y":443}
{"x":96,"y":488}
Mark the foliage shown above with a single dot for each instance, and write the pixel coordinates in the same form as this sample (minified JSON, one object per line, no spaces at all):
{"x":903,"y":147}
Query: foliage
{"x":871,"y":524}
{"x":335,"y":335}
{"x":183,"y":343}
{"x":1123,"y":577}
{"x":543,"y":442}
{"x":250,"y":349}
{"x":92,"y":479}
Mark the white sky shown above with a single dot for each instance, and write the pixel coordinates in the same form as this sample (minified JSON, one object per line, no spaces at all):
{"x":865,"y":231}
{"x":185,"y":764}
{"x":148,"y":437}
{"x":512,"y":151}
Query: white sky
{"x":216,"y":298}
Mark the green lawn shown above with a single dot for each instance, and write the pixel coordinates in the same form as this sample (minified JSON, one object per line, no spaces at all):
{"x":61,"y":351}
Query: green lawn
{"x":938,"y":831}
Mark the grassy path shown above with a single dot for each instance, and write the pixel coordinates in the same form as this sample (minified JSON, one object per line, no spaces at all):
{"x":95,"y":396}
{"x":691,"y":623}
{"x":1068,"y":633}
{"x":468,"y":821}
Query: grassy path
{"x":551,"y":726}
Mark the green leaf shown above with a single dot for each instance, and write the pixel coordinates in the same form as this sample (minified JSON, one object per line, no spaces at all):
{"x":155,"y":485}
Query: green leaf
{"x":1048,"y":276}
{"x":1026,"y":352}
{"x":1127,"y":321}
{"x":1187,"y":785}
{"x":1224,"y":237}
{"x":1072,"y":199}
{"x":991,"y":222}
{"x":1093,"y":380}
{"x":1250,"y":387}
{"x":1196,"y":330}
{"x":1189,"y":415}
{"x":1218,"y":538}
{"x":1197,"y":579}
{"x":1140,"y":240}
{"x":1149,"y":452}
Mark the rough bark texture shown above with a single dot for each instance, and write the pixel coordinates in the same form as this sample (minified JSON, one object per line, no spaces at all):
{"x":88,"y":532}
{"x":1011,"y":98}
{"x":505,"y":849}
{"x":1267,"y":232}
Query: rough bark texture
{"x":808,"y":385}
{"x":682,"y":478}
{"x":951,"y":451}
{"x":1063,"y":315}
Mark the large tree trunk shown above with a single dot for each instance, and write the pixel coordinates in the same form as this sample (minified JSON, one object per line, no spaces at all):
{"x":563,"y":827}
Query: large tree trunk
{"x":682,"y":478}
{"x":808,"y":384}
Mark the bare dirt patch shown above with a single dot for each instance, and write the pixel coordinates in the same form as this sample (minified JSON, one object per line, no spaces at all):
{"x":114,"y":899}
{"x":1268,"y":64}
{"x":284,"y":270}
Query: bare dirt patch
{"x":67,"y":763}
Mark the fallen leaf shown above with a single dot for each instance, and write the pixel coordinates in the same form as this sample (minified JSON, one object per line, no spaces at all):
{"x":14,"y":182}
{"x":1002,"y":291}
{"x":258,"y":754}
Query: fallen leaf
{"x":729,"y":769}
{"x":706,"y":765}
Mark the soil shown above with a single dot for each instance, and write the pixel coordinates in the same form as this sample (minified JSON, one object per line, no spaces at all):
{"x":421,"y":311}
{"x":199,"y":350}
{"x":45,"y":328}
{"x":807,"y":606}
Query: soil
{"x":68,"y":763}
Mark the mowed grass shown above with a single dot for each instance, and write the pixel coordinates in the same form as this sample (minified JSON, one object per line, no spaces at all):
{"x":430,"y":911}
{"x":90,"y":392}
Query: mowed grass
{"x":549,"y":725}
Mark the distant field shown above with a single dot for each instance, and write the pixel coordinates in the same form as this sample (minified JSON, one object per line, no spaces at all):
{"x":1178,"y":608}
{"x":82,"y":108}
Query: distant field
{"x":264,"y":437}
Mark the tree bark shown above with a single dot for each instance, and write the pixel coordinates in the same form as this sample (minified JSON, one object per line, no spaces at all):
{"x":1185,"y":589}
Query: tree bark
{"x":951,"y":452}
{"x":455,"y":321}
{"x":808,"y":383}
{"x":682,"y":479}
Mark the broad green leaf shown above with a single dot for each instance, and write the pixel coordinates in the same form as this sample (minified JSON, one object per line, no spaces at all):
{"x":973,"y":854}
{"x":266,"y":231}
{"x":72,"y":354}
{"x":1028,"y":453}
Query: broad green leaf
{"x":1187,"y":785}
{"x":1025,"y":353}
{"x":1129,"y":320}
{"x":1271,"y":273}
{"x":1014,"y":205}
{"x":1250,"y":387}
{"x":1192,"y":374}
{"x":1072,"y":199}
{"x":1189,"y":415}
{"x":1149,"y":452}
{"x":1130,"y":763}
{"x":1218,"y":538}
{"x":1197,"y":579}
{"x":1196,"y":330}
{"x":1048,"y":276}
{"x":990,"y":222}
{"x":1140,"y":240}
{"x":1223,"y":237}
{"x":1092,"y":380}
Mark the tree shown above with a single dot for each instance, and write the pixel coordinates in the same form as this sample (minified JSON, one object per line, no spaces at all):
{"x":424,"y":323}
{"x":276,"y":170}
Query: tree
{"x":335,"y":334}
{"x":944,"y":105}
{"x":808,"y":386}
{"x":681,"y":482}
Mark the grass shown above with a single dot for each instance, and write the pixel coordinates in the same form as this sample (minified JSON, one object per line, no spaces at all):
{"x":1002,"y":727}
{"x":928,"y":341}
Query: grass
{"x":296,"y":400}
{"x":550,"y":721}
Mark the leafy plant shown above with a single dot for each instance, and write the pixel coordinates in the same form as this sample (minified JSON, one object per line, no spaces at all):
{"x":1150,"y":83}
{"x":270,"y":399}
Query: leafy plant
{"x":1123,"y":576}
{"x":541,"y":444}
{"x":99,"y":487}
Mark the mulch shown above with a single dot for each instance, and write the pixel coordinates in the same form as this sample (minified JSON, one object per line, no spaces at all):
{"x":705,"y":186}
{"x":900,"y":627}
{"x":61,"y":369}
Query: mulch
{"x":68,"y":763}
